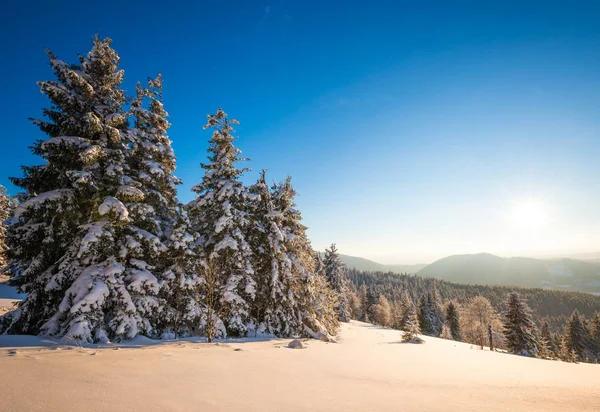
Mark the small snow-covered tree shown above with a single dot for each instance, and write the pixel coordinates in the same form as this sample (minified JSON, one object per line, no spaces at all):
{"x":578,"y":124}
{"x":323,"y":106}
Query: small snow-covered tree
{"x":544,"y":351}
{"x":411,"y":327}
{"x":452,"y":320}
{"x":86,"y":244}
{"x":446,"y":333}
{"x":519,"y":329}
{"x":547,"y":339}
{"x":220,"y":216}
{"x":334,"y":271}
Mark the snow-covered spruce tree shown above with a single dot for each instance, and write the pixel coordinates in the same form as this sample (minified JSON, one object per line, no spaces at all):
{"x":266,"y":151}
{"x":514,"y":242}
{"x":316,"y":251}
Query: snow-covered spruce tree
{"x":436,"y":311}
{"x":595,"y":332}
{"x":220,"y":217}
{"x":319,"y":264}
{"x":5,"y":210}
{"x":452,"y":320}
{"x":84,"y":246}
{"x":404,"y":307}
{"x":151,"y":160}
{"x":574,"y":339}
{"x":318,"y":299}
{"x":430,"y":313}
{"x":543,"y":351}
{"x":424,"y":315}
{"x":362,"y":296}
{"x":181,"y":304}
{"x":318,"y":304}
{"x":151,"y":163}
{"x":311,"y":295}
{"x":411,"y":328}
{"x":519,"y":329}
{"x":275,"y":307}
{"x":334,"y":271}
{"x":547,"y":339}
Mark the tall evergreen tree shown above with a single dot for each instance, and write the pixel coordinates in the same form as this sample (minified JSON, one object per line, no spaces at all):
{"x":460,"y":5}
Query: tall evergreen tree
{"x":574,"y":339}
{"x":452,"y":320}
{"x":334,"y":270}
{"x":276,"y":305}
{"x":220,"y":216}
{"x":5,"y":209}
{"x":84,"y":249}
{"x":182,"y":303}
{"x":314,"y":299}
{"x":519,"y":328}
{"x":151,"y":161}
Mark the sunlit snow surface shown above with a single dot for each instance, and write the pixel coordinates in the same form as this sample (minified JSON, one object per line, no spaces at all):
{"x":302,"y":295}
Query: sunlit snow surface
{"x":367,"y":370}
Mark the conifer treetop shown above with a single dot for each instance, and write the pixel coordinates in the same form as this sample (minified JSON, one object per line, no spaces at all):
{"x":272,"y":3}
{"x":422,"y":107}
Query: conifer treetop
{"x":223,"y":154}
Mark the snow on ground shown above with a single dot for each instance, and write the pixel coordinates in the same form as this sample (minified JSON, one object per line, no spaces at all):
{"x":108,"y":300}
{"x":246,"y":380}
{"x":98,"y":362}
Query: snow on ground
{"x":367,"y":370}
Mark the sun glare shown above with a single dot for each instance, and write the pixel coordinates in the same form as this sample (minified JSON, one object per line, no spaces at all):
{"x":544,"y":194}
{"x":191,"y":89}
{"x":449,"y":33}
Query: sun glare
{"x":529,"y":213}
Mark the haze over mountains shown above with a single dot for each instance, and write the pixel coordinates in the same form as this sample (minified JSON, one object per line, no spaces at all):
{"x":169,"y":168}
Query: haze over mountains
{"x":369,"y":265}
{"x":484,"y":268}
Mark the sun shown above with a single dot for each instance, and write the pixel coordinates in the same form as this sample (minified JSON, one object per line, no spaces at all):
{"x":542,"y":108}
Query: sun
{"x":529,"y":213}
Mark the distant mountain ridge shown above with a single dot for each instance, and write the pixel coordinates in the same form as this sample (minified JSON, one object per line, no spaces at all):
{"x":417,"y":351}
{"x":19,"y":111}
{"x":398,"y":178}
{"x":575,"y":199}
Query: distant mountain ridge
{"x":487,"y":269}
{"x":371,"y":266}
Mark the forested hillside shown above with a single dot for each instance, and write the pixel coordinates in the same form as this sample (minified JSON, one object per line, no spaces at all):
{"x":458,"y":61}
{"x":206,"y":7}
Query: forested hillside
{"x":551,"y":305}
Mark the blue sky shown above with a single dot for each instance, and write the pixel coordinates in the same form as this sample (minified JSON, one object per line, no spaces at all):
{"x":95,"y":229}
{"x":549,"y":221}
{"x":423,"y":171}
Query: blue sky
{"x":411,"y":131}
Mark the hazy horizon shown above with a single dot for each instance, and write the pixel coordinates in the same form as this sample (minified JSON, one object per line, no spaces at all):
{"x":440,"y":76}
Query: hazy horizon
{"x":585,"y":256}
{"x":421,"y":133}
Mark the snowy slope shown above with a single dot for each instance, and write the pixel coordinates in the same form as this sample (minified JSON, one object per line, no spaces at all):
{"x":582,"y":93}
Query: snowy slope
{"x":367,"y":370}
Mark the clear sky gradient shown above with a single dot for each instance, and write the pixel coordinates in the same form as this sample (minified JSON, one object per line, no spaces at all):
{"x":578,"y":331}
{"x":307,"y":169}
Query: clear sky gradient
{"x":411,"y":131}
